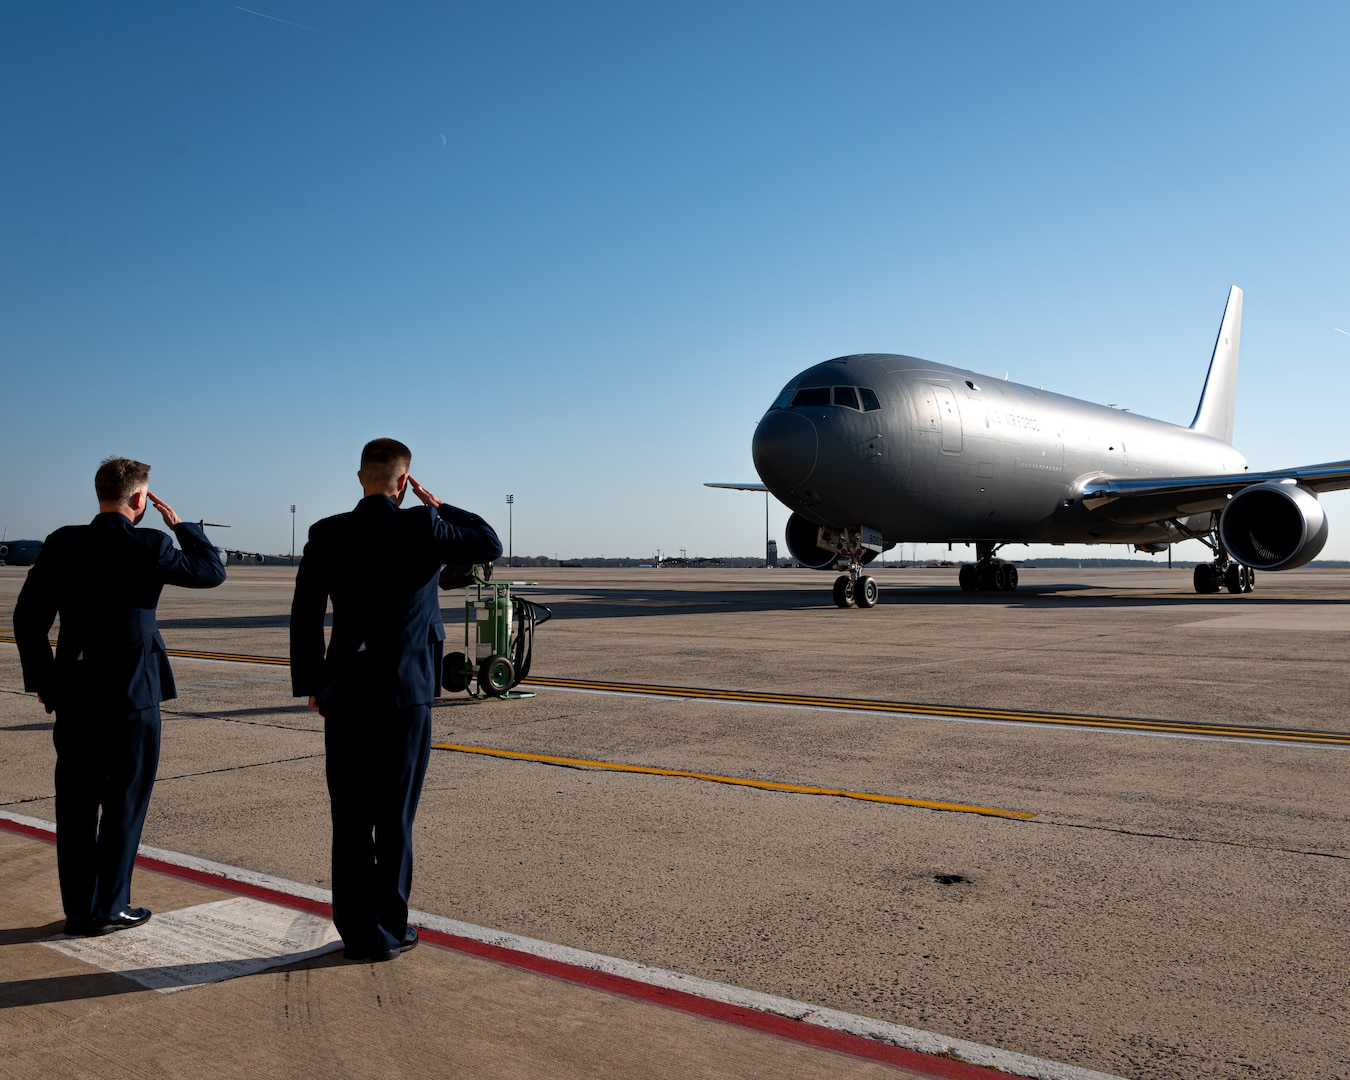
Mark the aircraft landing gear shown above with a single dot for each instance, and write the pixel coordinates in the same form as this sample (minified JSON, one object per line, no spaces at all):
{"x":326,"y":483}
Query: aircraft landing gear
{"x":988,"y":574}
{"x":1223,"y":572}
{"x":1213,"y":577}
{"x":855,"y":589}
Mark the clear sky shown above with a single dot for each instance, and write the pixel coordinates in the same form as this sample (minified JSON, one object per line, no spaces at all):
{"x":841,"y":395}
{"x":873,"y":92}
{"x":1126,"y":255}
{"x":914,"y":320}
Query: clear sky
{"x":572,"y":251}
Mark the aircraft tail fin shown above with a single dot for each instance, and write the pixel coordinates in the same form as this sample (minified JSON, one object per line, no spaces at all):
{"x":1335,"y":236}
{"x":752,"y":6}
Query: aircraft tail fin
{"x":1219,"y":398}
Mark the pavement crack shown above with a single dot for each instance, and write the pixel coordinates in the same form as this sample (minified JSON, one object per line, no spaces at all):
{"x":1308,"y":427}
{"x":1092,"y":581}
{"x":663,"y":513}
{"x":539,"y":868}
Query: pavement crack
{"x":238,"y":768}
{"x":1188,"y":839}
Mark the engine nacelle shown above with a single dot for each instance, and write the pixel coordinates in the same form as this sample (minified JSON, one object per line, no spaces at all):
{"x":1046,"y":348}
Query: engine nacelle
{"x":803,"y":540}
{"x":1273,"y":526}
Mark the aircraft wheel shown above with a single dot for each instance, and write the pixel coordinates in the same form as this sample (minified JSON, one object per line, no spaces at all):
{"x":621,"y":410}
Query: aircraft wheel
{"x":1251,"y":579}
{"x":1232,"y":578}
{"x":984,"y":578}
{"x":969,"y":578}
{"x":496,"y":675}
{"x":865,"y":592}
{"x":1203,"y":577}
{"x":843,"y":591}
{"x":455,"y":672}
{"x":998,"y":578}
{"x":1010,"y":578}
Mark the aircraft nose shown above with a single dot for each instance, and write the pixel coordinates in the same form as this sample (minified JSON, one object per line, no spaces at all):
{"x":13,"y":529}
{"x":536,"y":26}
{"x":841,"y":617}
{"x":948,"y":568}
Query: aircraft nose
{"x":784,"y":449}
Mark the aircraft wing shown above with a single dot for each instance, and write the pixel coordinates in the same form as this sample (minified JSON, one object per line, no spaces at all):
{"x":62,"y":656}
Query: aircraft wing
{"x":1145,"y":500}
{"x":739,"y":487}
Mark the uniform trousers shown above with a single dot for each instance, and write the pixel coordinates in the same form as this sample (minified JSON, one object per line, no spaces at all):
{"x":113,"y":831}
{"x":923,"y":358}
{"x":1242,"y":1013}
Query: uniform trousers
{"x":375,"y":760}
{"x":105,"y":770}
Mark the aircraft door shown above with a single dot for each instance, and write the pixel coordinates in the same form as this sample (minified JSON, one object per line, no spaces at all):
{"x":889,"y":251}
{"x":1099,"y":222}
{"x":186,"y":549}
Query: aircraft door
{"x":949,"y":418}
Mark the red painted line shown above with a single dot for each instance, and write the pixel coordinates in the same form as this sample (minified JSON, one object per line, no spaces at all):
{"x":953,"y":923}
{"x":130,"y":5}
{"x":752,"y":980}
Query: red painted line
{"x":752,"y":1019}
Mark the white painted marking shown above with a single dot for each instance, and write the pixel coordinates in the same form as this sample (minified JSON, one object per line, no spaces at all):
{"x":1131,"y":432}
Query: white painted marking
{"x":206,"y":944}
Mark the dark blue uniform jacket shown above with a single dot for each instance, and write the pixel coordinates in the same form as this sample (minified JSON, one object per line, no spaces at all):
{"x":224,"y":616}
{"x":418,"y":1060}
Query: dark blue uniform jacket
{"x":104,"y":580}
{"x":380,"y":566}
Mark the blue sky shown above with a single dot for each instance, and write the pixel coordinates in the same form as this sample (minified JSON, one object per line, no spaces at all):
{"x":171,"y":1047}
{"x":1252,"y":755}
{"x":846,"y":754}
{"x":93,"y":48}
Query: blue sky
{"x":572,"y":251}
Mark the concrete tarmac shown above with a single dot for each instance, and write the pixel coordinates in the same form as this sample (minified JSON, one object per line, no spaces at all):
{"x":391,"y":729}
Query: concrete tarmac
{"x":1174,"y":909}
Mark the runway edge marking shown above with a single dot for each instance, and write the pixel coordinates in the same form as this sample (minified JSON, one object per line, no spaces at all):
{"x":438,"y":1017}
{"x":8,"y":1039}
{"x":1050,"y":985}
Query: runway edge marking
{"x":857,"y":1036}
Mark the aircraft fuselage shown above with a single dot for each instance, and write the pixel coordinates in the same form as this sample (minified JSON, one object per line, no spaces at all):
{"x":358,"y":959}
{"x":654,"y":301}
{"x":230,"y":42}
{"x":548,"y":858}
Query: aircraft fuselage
{"x":945,"y":454}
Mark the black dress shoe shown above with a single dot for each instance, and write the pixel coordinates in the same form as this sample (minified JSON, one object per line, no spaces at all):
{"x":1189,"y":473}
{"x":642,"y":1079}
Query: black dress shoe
{"x":79,"y":927}
{"x":378,"y":956}
{"x":123,"y":920}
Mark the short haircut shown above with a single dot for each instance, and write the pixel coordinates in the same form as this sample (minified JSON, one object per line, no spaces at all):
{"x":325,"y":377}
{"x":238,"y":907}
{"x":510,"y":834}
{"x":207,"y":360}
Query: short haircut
{"x":383,"y":461}
{"x":118,"y":478}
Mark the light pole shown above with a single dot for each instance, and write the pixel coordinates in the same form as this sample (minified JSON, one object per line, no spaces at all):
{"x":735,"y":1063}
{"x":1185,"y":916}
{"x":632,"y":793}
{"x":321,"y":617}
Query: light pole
{"x":292,"y":534}
{"x":510,"y":543}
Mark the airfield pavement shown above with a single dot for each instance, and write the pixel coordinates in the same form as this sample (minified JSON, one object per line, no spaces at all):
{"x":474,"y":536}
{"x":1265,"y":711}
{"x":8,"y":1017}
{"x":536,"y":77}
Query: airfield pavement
{"x":1176,"y":907}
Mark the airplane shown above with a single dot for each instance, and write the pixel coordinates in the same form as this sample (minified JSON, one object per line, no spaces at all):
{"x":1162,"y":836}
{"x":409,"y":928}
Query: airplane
{"x":875,"y":449}
{"x":226,"y":554}
{"x":25,"y":552}
{"x":19,"y":552}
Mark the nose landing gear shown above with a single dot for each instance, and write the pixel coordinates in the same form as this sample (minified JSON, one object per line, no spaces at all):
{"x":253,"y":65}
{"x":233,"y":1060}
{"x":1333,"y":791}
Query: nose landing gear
{"x":855,"y":589}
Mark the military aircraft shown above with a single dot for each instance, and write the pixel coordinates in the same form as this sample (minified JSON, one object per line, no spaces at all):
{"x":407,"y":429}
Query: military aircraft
{"x":876,"y":449}
{"x":19,"y":552}
{"x":226,"y":554}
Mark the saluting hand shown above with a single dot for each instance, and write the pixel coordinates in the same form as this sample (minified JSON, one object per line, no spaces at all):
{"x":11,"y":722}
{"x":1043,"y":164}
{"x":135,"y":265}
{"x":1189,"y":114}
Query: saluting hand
{"x":166,"y":511}
{"x":422,"y":493}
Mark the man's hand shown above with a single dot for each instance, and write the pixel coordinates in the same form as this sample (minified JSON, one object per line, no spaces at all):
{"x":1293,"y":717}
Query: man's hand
{"x":314,"y":703}
{"x":166,"y":511}
{"x":422,"y":493}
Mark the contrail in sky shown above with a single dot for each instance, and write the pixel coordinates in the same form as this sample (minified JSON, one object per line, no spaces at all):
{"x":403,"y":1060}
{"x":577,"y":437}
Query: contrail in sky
{"x":1340,"y":331}
{"x":261,"y":15}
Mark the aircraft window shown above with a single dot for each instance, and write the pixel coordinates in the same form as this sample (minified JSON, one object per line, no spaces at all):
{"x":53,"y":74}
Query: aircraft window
{"x":812,"y":395}
{"x":869,"y":399}
{"x":783,"y":400}
{"x":845,"y":395}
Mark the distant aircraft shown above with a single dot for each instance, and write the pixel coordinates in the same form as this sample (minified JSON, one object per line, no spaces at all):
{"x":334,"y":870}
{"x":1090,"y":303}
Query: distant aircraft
{"x":19,"y":552}
{"x":226,"y":554}
{"x":875,"y":449}
{"x":25,"y":552}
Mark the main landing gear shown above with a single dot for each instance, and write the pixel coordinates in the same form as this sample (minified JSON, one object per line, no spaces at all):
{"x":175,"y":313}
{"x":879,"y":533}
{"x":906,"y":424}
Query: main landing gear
{"x":1222,"y":574}
{"x":986,"y":573}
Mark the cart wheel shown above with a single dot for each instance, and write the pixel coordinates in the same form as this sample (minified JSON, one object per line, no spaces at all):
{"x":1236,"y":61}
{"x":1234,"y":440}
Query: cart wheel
{"x":496,"y":675}
{"x":455,"y":672}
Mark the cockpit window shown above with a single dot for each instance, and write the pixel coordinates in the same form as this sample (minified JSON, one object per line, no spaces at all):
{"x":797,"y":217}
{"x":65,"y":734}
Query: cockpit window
{"x":869,"y":399}
{"x":783,"y":400}
{"x":846,"y":396}
{"x":812,"y":395}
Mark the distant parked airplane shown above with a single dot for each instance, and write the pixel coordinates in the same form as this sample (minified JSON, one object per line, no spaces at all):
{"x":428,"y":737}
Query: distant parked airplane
{"x":874,"y":449}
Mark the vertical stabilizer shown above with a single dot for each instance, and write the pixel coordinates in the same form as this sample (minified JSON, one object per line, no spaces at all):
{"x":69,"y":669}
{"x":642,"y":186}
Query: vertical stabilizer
{"x":1217,"y":402}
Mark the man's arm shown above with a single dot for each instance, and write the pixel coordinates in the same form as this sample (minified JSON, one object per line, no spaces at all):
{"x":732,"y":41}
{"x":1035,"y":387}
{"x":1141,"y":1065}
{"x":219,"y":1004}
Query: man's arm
{"x":308,"y":607}
{"x":196,"y":566}
{"x":463,"y":538}
{"x":34,"y":613}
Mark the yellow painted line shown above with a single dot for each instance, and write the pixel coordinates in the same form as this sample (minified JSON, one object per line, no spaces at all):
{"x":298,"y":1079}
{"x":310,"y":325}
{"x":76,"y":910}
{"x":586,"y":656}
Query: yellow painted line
{"x":905,"y":708}
{"x":766,"y":785}
{"x":1173,"y":727}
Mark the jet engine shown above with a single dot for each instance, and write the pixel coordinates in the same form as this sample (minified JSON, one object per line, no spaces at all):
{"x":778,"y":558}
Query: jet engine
{"x":803,"y":540}
{"x":1273,"y":526}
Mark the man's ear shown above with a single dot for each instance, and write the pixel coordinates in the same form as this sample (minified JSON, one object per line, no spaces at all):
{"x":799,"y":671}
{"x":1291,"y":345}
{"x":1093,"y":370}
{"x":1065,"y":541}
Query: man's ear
{"x":138,"y":500}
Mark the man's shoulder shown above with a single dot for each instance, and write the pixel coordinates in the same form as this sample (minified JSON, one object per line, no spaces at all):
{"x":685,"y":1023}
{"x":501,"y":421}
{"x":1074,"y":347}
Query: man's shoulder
{"x":332,"y":527}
